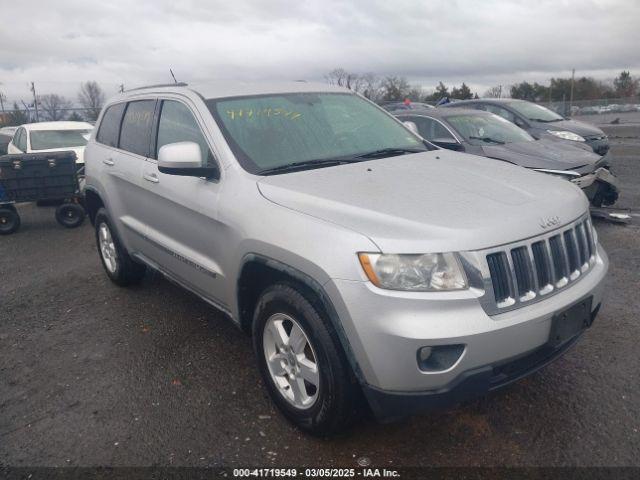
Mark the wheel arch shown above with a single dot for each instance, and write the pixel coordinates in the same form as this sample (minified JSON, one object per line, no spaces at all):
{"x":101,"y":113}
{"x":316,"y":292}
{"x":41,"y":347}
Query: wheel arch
{"x":258,"y":272}
{"x":93,"y":203}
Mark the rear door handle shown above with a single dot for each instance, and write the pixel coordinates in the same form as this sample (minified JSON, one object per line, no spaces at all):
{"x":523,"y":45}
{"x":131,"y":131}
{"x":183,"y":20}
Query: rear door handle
{"x":108,"y":161}
{"x":151,"y":177}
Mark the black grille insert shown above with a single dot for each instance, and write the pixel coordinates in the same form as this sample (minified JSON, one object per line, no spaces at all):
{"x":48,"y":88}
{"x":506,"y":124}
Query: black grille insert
{"x":541,"y":260}
{"x":499,"y":271}
{"x":572,"y":251}
{"x":558,"y":257}
{"x":522,"y":268}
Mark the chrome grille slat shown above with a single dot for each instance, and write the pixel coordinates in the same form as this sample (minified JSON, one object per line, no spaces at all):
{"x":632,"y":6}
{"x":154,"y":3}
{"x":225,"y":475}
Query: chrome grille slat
{"x":525,"y":271}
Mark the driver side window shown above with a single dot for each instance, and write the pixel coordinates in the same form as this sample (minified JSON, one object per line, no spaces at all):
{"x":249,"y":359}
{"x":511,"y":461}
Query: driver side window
{"x":177,"y":124}
{"x":432,"y":129}
{"x":21,"y":140}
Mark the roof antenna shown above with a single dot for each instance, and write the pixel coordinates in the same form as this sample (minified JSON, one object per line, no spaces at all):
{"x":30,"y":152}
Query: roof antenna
{"x":174,"y":77}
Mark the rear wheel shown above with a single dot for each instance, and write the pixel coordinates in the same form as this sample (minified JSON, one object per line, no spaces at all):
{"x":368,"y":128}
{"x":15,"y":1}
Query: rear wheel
{"x":70,"y":215}
{"x":302,"y":362}
{"x":119,"y":266}
{"x":9,"y":220}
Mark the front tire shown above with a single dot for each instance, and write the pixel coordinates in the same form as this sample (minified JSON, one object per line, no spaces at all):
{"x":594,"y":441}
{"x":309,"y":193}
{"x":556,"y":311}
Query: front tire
{"x":302,"y":363}
{"x":118,"y":264}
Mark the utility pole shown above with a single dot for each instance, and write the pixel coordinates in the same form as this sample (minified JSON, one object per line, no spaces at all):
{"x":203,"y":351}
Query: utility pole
{"x":35,"y":100}
{"x":500,"y":92}
{"x":122,"y":88}
{"x":573,"y":77}
{"x":2,"y":99}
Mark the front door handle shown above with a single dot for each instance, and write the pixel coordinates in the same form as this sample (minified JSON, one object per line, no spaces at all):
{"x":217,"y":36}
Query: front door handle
{"x":151,"y":177}
{"x":108,"y":161}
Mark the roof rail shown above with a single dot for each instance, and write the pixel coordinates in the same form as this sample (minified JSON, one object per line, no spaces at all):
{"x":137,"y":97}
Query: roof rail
{"x":176,"y":84}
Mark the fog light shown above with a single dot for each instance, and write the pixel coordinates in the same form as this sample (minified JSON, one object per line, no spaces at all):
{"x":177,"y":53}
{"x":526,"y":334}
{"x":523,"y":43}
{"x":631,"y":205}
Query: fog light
{"x":423,"y":354}
{"x":439,"y":358}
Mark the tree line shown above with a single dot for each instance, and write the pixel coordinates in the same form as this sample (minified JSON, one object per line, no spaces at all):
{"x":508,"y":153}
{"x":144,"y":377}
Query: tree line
{"x":393,"y":88}
{"x":54,"y":107}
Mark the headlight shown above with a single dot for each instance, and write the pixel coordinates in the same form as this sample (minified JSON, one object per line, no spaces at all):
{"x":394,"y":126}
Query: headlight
{"x":566,"y":135}
{"x":418,"y":273}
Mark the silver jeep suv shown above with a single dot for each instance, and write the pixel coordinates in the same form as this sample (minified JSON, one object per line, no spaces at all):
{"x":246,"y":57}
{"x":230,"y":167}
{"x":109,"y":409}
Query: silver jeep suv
{"x":370,"y":267}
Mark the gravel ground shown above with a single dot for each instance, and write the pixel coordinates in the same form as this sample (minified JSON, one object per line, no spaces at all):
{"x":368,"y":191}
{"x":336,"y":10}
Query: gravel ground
{"x":91,"y":374}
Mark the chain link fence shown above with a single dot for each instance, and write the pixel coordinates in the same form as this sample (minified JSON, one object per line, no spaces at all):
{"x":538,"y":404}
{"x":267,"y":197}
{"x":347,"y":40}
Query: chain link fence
{"x":10,"y":117}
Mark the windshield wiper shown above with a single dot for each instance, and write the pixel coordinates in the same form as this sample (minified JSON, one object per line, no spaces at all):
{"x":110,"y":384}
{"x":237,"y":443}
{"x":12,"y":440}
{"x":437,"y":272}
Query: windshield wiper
{"x":307,"y":164}
{"x":488,"y":140}
{"x":390,"y":152}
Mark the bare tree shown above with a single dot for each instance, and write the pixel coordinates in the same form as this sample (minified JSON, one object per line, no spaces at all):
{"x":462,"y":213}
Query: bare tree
{"x":54,"y":106}
{"x":342,"y":78}
{"x":91,"y":97}
{"x":395,"y":88}
{"x":371,"y":87}
{"x":493,"y":92}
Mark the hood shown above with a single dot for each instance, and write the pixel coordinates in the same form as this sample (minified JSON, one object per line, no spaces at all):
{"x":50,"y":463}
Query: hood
{"x":79,"y":151}
{"x":543,"y":153}
{"x":436,"y":201}
{"x":581,"y":128}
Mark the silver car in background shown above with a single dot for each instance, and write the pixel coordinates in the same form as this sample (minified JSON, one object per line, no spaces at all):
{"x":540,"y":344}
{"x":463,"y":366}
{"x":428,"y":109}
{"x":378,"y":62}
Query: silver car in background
{"x":366,"y":263}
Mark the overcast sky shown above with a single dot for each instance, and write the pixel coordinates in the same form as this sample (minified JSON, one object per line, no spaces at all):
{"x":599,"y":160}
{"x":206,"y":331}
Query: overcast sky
{"x":58,"y":44}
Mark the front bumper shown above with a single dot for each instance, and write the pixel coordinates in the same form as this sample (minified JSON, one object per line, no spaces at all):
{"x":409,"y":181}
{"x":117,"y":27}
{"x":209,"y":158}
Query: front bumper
{"x":385,"y":329}
{"x":600,"y":186}
{"x":469,"y":384}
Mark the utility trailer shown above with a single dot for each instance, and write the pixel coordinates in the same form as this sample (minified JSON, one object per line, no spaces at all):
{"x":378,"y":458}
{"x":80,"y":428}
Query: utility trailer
{"x":44,"y":178}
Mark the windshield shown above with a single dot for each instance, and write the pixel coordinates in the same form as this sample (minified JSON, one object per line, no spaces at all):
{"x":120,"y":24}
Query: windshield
{"x":272,"y":131}
{"x":535,"y":112}
{"x":488,"y":128}
{"x":47,"y":139}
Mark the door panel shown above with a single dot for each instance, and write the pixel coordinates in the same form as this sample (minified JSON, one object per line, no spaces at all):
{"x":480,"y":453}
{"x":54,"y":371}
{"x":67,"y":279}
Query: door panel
{"x":181,"y":216}
{"x":182,"y":212}
{"x":125,"y":166}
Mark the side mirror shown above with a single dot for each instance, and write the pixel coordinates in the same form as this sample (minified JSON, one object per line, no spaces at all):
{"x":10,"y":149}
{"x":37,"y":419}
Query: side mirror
{"x":184,"y":158}
{"x":448,"y":143}
{"x":412,"y":126}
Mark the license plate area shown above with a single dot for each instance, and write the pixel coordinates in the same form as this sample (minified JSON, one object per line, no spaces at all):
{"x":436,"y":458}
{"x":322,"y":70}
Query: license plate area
{"x":570,"y":322}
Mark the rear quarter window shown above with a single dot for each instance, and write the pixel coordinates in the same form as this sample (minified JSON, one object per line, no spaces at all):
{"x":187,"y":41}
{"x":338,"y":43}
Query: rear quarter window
{"x":135,"y":134}
{"x":109,"y":129}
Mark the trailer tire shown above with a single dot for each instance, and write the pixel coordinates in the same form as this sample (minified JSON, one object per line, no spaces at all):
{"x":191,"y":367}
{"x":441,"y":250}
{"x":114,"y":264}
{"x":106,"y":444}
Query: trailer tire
{"x":9,"y":220}
{"x":70,"y":215}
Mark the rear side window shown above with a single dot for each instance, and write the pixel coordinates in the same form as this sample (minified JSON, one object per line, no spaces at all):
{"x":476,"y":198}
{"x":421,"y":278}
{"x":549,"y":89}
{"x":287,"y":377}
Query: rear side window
{"x":503,"y":112}
{"x":110,"y":125}
{"x":135,"y":135}
{"x":177,"y":124}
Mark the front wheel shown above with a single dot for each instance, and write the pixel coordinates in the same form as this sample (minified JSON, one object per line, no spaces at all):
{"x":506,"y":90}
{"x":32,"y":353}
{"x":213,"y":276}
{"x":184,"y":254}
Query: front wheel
{"x":302,"y":363}
{"x":119,"y":266}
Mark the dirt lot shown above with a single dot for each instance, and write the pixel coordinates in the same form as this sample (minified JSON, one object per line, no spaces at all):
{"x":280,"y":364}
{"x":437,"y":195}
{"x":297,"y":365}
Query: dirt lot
{"x":91,"y":374}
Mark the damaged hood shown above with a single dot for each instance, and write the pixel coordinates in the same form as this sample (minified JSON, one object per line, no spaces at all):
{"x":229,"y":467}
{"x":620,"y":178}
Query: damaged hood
{"x":436,"y":201}
{"x":543,"y":153}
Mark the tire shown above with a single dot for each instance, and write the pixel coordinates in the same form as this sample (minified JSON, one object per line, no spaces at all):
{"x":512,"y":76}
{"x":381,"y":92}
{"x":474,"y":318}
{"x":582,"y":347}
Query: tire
{"x":9,"y":220}
{"x":119,"y":266}
{"x":70,"y":215}
{"x":331,"y":406}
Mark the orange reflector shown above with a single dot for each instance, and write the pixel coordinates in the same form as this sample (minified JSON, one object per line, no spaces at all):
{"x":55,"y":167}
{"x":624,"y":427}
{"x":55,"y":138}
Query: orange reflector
{"x":368,"y":269}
